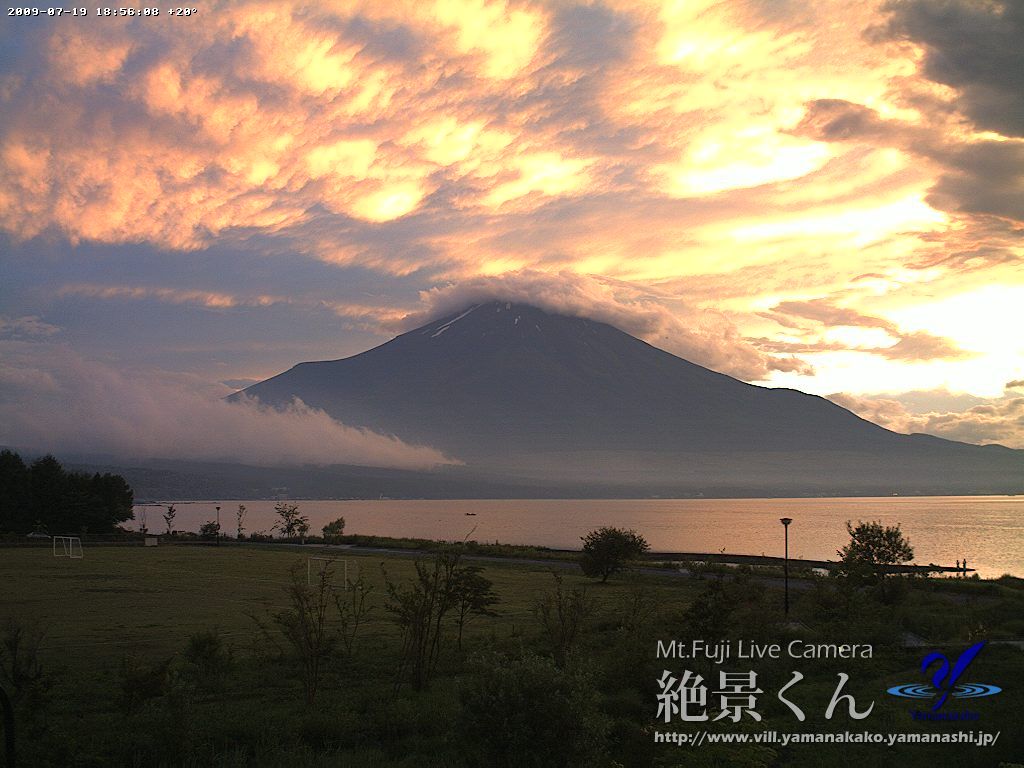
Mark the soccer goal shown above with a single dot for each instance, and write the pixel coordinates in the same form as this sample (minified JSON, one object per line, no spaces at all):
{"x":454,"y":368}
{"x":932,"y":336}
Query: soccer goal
{"x":67,"y":546}
{"x":339,"y":571}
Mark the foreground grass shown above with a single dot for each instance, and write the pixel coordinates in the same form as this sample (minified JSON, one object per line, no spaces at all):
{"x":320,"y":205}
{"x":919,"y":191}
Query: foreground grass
{"x":151,"y":599}
{"x":141,"y":605}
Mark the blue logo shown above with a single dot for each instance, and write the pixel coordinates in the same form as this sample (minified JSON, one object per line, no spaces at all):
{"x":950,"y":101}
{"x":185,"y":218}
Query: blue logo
{"x":945,"y":680}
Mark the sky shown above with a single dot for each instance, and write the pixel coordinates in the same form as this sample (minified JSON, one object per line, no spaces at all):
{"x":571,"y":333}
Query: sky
{"x":819,"y":194}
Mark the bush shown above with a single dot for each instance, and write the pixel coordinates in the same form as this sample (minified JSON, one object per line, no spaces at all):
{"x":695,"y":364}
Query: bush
{"x":209,"y":660}
{"x":139,"y":681}
{"x":528,"y":712}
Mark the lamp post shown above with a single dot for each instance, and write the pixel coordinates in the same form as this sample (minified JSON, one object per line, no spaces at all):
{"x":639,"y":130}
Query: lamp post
{"x":785,"y":568}
{"x":218,"y":524}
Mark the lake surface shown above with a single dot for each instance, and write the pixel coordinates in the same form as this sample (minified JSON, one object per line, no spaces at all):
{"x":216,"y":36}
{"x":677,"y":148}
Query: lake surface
{"x":986,"y":530}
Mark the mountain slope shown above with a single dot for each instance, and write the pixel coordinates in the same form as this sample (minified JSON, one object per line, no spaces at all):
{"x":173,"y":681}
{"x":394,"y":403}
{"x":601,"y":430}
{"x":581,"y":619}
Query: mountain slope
{"x":513,"y":389}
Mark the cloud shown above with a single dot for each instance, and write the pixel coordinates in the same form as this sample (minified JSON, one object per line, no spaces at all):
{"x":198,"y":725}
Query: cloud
{"x":705,"y":338}
{"x":910,"y":346}
{"x":974,"y":47}
{"x":712,"y":159}
{"x":839,"y":120}
{"x":975,"y":175}
{"x":52,"y":399}
{"x":1015,"y":384}
{"x":995,"y":421}
{"x":983,"y":177}
{"x":28,"y":326}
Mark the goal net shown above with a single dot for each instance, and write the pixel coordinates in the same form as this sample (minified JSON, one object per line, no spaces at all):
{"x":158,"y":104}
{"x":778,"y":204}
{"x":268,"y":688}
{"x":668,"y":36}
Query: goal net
{"x":67,"y":546}
{"x":338,"y":569}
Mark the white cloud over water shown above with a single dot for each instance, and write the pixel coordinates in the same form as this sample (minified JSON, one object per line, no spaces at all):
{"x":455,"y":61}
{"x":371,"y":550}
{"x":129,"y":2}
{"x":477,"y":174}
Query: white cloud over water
{"x":52,"y":399}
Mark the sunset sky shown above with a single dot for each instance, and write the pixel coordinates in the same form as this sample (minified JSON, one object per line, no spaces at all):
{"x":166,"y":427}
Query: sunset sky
{"x":820,"y":194}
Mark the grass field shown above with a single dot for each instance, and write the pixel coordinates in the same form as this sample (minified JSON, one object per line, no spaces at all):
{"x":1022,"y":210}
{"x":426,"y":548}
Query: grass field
{"x":151,"y":599}
{"x":122,"y":614}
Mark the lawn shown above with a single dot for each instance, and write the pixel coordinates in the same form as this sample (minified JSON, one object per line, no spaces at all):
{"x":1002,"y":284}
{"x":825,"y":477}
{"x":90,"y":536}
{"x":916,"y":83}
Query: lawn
{"x":120,"y":689}
{"x":150,"y":599}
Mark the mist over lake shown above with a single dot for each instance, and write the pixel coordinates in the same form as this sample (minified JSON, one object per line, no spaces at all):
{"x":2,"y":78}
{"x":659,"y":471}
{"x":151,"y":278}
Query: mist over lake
{"x":987,"y":530}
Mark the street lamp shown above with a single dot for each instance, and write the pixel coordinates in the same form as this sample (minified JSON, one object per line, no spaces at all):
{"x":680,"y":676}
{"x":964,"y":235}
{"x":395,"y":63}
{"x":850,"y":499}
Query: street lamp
{"x":785,"y":524}
{"x":218,"y":525}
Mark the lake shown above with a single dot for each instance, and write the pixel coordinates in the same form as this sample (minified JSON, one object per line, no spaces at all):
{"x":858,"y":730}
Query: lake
{"x":986,"y":530}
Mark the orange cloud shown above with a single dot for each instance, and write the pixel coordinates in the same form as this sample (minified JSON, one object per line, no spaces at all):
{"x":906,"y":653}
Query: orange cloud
{"x":718,"y":158}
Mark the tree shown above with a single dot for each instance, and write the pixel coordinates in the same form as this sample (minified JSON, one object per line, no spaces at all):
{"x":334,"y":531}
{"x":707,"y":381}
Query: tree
{"x":15,"y":512}
{"x":304,"y":625}
{"x":334,"y":529}
{"x":474,"y":596}
{"x":419,"y":608}
{"x":45,"y":495}
{"x":291,"y":524}
{"x":353,"y":611}
{"x":872,"y":547}
{"x":169,"y":518}
{"x":561,"y":615}
{"x":209,"y":530}
{"x":239,"y":517}
{"x":608,"y":550}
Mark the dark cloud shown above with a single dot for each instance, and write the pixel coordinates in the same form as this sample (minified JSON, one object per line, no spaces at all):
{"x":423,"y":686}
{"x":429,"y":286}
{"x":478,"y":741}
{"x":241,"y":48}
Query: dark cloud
{"x":980,"y":177}
{"x":985,"y":177}
{"x":839,"y":120}
{"x":975,"y":47}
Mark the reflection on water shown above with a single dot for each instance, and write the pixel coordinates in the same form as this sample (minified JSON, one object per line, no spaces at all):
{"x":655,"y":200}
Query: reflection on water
{"x":988,"y":531}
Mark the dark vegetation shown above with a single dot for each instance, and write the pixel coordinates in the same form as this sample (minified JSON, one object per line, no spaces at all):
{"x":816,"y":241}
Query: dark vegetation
{"x":609,"y":550}
{"x":42,"y":496}
{"x":241,"y":656}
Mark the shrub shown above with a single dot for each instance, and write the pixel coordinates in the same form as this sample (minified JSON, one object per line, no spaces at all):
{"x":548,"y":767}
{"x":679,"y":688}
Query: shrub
{"x":209,"y":660}
{"x":529,"y":712}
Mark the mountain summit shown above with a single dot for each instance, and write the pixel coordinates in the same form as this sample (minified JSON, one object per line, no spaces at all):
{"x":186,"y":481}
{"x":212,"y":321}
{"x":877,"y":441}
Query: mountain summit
{"x":520,"y":393}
